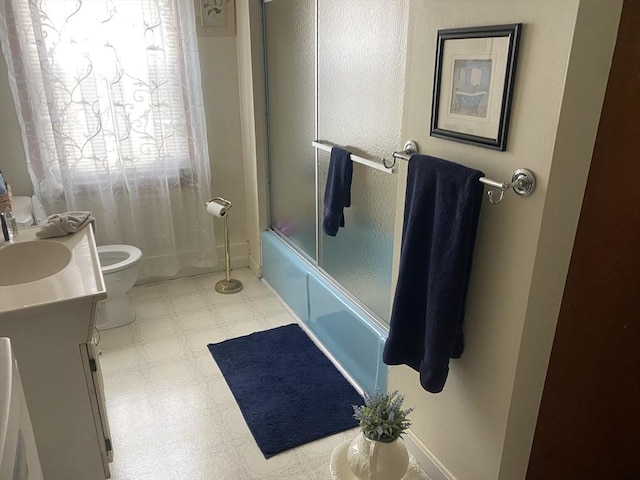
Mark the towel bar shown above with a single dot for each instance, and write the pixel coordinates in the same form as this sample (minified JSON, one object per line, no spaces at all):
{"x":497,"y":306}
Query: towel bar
{"x":326,"y":146}
{"x":523,"y":181}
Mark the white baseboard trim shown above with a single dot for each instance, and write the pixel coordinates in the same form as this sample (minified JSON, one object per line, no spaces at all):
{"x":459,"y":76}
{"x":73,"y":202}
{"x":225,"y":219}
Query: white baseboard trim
{"x":238,"y":256}
{"x":255,"y":267}
{"x":427,"y":460}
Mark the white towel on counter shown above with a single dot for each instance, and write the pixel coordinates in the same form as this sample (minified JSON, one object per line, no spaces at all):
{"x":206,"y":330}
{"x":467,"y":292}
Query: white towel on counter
{"x":61,"y":224}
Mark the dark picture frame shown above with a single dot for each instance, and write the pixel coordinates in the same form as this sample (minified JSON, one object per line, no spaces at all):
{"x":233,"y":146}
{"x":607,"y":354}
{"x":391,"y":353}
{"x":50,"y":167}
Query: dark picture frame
{"x":473,"y":85}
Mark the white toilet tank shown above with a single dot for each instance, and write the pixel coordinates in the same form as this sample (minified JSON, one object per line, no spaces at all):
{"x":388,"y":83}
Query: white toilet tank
{"x":28,"y":211}
{"x":22,"y":211}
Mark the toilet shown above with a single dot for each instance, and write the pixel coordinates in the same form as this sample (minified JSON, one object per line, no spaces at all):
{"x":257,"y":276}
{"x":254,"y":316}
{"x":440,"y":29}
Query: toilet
{"x":120,"y":266}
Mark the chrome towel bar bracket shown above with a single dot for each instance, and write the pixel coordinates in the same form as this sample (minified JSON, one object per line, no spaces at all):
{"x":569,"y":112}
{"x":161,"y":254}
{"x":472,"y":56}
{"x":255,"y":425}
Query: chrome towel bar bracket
{"x":523,"y":181}
{"x":410,"y":147}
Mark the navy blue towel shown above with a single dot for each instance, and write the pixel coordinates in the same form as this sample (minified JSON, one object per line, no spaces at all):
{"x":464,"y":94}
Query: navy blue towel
{"x":337,"y":193}
{"x":441,"y":212}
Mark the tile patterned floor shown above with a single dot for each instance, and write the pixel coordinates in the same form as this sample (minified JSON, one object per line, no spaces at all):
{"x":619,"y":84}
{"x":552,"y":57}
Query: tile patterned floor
{"x":171,"y":413}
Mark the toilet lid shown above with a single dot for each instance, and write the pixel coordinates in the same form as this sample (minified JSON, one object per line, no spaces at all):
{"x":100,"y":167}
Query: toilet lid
{"x":125,"y":256}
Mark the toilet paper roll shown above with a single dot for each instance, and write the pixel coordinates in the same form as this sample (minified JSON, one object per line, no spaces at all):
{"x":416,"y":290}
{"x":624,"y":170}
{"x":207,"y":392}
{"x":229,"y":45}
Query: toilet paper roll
{"x":217,"y":210}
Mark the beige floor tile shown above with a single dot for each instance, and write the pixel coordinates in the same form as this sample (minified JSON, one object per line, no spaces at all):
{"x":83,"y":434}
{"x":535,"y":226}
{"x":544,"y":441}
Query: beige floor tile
{"x":163,"y":350}
{"x":172,"y":374}
{"x":171,"y":413}
{"x":119,"y":360}
{"x":238,"y":311}
{"x":244,"y":327}
{"x":177,"y":288}
{"x":205,"y":368}
{"x":188,"y":302}
{"x":215,"y":299}
{"x":144,"y":293}
{"x":268,"y":306}
{"x":152,"y":309}
{"x":197,"y":320}
{"x":156,"y":328}
{"x":199,"y":340}
{"x":279,"y":320}
{"x":116,"y":337}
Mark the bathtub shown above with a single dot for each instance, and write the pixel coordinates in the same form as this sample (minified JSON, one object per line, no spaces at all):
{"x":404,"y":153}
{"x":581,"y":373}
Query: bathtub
{"x":351,"y":336}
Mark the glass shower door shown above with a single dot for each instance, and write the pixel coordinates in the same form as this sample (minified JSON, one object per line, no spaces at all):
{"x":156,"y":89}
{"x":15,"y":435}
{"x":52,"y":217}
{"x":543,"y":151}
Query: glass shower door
{"x":361,"y":61}
{"x":290,"y":50}
{"x":335,"y":69}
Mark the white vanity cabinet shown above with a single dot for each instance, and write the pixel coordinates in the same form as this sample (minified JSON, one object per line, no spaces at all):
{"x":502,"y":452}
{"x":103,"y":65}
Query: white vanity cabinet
{"x":60,"y":368}
{"x":93,"y":372}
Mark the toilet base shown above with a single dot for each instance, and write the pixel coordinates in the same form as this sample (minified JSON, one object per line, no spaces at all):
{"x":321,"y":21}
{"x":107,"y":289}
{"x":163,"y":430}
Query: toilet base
{"x":113,"y":313}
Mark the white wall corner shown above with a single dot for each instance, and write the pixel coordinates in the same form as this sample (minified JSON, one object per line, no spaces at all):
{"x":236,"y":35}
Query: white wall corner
{"x":425,"y":458}
{"x":585,"y":85}
{"x":250,"y":73}
{"x":255,"y":266}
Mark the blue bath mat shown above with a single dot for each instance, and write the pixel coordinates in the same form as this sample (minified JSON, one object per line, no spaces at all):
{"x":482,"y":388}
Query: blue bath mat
{"x":289,"y":392}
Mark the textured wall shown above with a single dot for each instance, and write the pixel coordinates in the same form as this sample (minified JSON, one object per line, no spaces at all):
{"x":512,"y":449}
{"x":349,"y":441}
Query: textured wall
{"x":481,"y":425}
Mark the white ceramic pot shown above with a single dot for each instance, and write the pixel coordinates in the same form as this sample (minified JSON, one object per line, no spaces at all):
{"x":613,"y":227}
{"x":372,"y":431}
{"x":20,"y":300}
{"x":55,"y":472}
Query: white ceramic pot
{"x":373,"y":460}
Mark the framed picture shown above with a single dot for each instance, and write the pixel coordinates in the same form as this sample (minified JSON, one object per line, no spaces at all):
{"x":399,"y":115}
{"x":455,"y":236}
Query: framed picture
{"x":215,"y":17}
{"x":473,"y":84}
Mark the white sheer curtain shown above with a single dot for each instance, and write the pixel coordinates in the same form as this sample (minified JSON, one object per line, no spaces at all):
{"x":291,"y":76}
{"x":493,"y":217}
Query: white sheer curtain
{"x":109,"y":97}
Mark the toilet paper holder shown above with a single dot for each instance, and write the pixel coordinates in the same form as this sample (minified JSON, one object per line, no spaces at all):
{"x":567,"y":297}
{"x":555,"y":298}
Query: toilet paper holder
{"x":228,"y":284}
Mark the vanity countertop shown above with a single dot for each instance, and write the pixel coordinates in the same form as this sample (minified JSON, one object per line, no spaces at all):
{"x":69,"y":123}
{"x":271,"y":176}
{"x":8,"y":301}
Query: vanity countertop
{"x":79,"y":279}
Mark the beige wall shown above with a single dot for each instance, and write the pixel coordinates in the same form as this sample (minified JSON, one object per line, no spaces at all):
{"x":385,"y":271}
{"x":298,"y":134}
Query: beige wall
{"x":482,"y":424}
{"x":219,"y":67}
{"x":12,"y":162}
{"x":220,"y":90}
{"x":252,"y":110}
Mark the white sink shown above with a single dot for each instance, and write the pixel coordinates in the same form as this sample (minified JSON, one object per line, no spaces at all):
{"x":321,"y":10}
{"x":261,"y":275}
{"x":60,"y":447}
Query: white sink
{"x":37,"y":272}
{"x":29,"y":261}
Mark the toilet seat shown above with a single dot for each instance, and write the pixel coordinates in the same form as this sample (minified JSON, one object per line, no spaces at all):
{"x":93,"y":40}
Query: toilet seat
{"x":123,"y":256}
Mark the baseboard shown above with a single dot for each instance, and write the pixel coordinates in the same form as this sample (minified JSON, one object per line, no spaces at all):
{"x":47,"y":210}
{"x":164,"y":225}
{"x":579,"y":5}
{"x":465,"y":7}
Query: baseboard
{"x":255,"y":267}
{"x":427,"y":460}
{"x":238,"y":256}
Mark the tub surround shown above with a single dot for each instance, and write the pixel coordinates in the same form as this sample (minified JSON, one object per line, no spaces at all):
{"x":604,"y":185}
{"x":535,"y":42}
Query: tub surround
{"x":333,"y":319}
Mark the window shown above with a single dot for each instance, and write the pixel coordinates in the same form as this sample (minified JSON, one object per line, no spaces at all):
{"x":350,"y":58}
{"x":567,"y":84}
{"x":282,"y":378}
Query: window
{"x":110,"y":95}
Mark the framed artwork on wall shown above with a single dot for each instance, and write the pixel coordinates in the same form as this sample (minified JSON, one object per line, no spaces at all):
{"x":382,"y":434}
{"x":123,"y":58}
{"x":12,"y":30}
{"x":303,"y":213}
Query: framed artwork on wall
{"x":473,"y":85}
{"x":215,"y":17}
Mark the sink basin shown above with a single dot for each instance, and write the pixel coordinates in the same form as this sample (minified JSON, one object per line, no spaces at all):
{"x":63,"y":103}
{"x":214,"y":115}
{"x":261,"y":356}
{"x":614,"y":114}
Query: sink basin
{"x":30,"y":261}
{"x":37,"y":274}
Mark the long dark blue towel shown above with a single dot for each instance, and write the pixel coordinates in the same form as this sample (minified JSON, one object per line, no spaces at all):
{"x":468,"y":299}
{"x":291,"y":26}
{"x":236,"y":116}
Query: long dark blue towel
{"x":441,"y":212}
{"x":337,"y":193}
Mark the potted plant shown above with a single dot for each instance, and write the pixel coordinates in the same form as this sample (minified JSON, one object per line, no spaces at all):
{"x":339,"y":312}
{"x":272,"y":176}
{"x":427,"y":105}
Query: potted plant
{"x":378,"y":451}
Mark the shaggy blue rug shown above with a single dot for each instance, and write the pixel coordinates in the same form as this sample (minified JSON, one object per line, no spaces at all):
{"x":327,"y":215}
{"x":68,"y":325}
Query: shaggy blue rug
{"x":289,"y":392}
